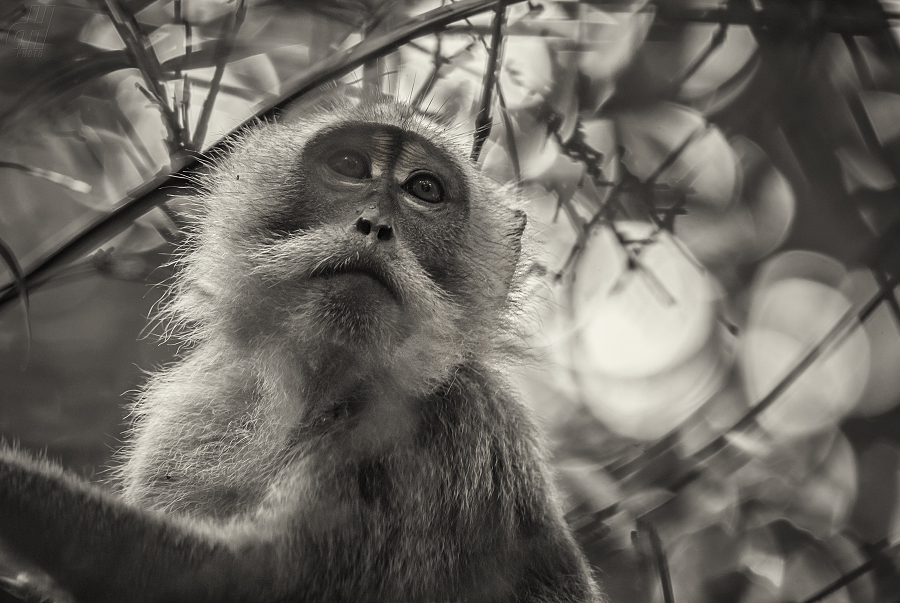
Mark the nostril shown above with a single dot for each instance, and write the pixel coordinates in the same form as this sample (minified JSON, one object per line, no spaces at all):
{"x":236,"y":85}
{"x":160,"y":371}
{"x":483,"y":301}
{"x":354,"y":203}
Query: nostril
{"x":385,"y":233}
{"x":364,"y":226}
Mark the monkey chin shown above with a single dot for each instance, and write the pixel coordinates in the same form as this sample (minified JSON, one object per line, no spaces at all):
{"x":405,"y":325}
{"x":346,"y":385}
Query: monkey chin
{"x":358,"y":308}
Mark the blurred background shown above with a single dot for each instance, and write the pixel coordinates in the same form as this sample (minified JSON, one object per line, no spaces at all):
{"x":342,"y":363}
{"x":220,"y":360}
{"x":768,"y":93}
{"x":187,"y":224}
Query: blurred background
{"x":712,"y":188}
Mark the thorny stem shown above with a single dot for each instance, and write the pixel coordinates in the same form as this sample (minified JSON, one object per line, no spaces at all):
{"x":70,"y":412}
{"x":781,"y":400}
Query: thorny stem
{"x":665,"y":223}
{"x":668,"y":221}
{"x":884,"y":283}
{"x":186,"y":81}
{"x":632,"y":251}
{"x":141,"y":52}
{"x":223,"y":49}
{"x":580,"y":242}
{"x":839,"y":331}
{"x":9,"y":258}
{"x":371,"y":76}
{"x":420,"y":98}
{"x":483,"y":119}
{"x":510,"y":136}
{"x":70,"y":183}
{"x":165,"y":186}
{"x":662,"y":566}
{"x":852,"y":575}
{"x":864,"y":23}
{"x":843,"y":328}
{"x":438,"y":61}
{"x":716,"y":41}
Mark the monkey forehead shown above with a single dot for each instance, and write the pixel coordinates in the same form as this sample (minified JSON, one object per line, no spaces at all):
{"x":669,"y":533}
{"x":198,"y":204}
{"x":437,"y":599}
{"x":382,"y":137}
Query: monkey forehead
{"x":384,"y":112}
{"x":390,"y":151}
{"x":408,"y":119}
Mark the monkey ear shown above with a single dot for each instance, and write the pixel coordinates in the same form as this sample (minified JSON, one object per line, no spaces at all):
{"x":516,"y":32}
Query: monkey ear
{"x":520,"y":220}
{"x":513,"y":241}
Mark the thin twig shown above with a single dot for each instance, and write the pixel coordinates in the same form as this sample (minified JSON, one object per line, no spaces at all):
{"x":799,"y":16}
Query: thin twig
{"x":634,"y":264}
{"x":851,"y":575}
{"x":508,"y":126}
{"x":223,"y":49}
{"x":716,"y":41}
{"x":186,"y":81}
{"x":437,"y":61}
{"x":884,"y":283}
{"x":672,"y":157}
{"x":420,"y":98}
{"x":163,"y":188}
{"x":841,"y":329}
{"x":855,"y":23}
{"x":145,"y":198}
{"x":659,"y":560}
{"x":844,"y":327}
{"x":141,"y":52}
{"x":12,"y":263}
{"x":580,"y":243}
{"x":483,"y":119}
{"x":70,"y":183}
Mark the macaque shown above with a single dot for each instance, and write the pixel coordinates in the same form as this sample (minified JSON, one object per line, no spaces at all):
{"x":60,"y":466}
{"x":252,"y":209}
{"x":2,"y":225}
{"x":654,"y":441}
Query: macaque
{"x":339,"y":427}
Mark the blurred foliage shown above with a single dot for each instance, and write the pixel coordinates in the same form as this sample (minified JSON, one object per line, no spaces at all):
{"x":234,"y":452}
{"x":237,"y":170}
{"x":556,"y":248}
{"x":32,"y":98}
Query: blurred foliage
{"x":713,"y":186}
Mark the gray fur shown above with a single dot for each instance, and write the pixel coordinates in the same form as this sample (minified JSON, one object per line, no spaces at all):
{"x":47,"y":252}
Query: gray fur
{"x":298,"y":454}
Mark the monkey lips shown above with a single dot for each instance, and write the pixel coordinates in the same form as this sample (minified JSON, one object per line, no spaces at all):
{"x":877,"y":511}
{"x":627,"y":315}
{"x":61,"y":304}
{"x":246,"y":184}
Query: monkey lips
{"x":358,"y":272}
{"x":360,"y":298}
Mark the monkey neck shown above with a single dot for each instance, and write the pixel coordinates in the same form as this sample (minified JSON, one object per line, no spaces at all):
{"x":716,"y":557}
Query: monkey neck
{"x":331,"y":372}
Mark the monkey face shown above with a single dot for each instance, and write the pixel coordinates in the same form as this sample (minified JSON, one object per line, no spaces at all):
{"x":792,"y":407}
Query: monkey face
{"x":363,"y":228}
{"x":384,"y":209}
{"x":396,"y":195}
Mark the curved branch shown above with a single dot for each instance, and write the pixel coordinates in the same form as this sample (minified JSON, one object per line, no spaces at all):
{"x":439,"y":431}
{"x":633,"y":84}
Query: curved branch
{"x":165,"y":187}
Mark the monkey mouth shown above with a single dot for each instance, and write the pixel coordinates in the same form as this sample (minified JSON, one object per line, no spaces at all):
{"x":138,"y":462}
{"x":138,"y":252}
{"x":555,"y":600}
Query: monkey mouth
{"x":360,"y":266}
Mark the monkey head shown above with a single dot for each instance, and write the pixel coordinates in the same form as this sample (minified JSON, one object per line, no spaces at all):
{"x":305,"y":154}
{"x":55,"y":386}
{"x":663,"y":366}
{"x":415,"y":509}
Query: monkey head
{"x":362,"y":229}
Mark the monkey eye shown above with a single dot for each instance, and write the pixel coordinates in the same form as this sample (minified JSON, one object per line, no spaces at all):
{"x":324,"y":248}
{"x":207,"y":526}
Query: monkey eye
{"x":350,"y":164}
{"x":425,"y":187}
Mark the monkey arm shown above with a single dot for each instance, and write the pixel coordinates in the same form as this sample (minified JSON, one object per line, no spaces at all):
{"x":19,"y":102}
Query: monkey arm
{"x":101,"y":549}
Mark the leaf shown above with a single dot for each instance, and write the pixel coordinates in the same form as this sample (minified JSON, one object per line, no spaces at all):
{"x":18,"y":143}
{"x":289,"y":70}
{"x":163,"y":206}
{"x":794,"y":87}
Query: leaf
{"x":722,"y":64}
{"x":825,"y":498}
{"x":883,"y":389}
{"x":876,"y":514}
{"x":536,"y":150}
{"x":697,"y":62}
{"x":647,"y":347}
{"x":526,"y":75}
{"x":608,"y":39}
{"x":629,"y":330}
{"x":101,"y":33}
{"x":882,"y":109}
{"x":810,"y":570}
{"x":789,"y":314}
{"x":861,"y":169}
{"x":694,"y":157}
{"x":755,"y":225}
{"x":563,"y":178}
{"x":12,"y":264}
{"x":256,"y":73}
{"x":699,"y":560}
{"x":761,"y":555}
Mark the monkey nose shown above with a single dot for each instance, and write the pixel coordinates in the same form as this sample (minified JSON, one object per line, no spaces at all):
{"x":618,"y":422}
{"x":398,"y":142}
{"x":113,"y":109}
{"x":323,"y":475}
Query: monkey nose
{"x":374,"y":227}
